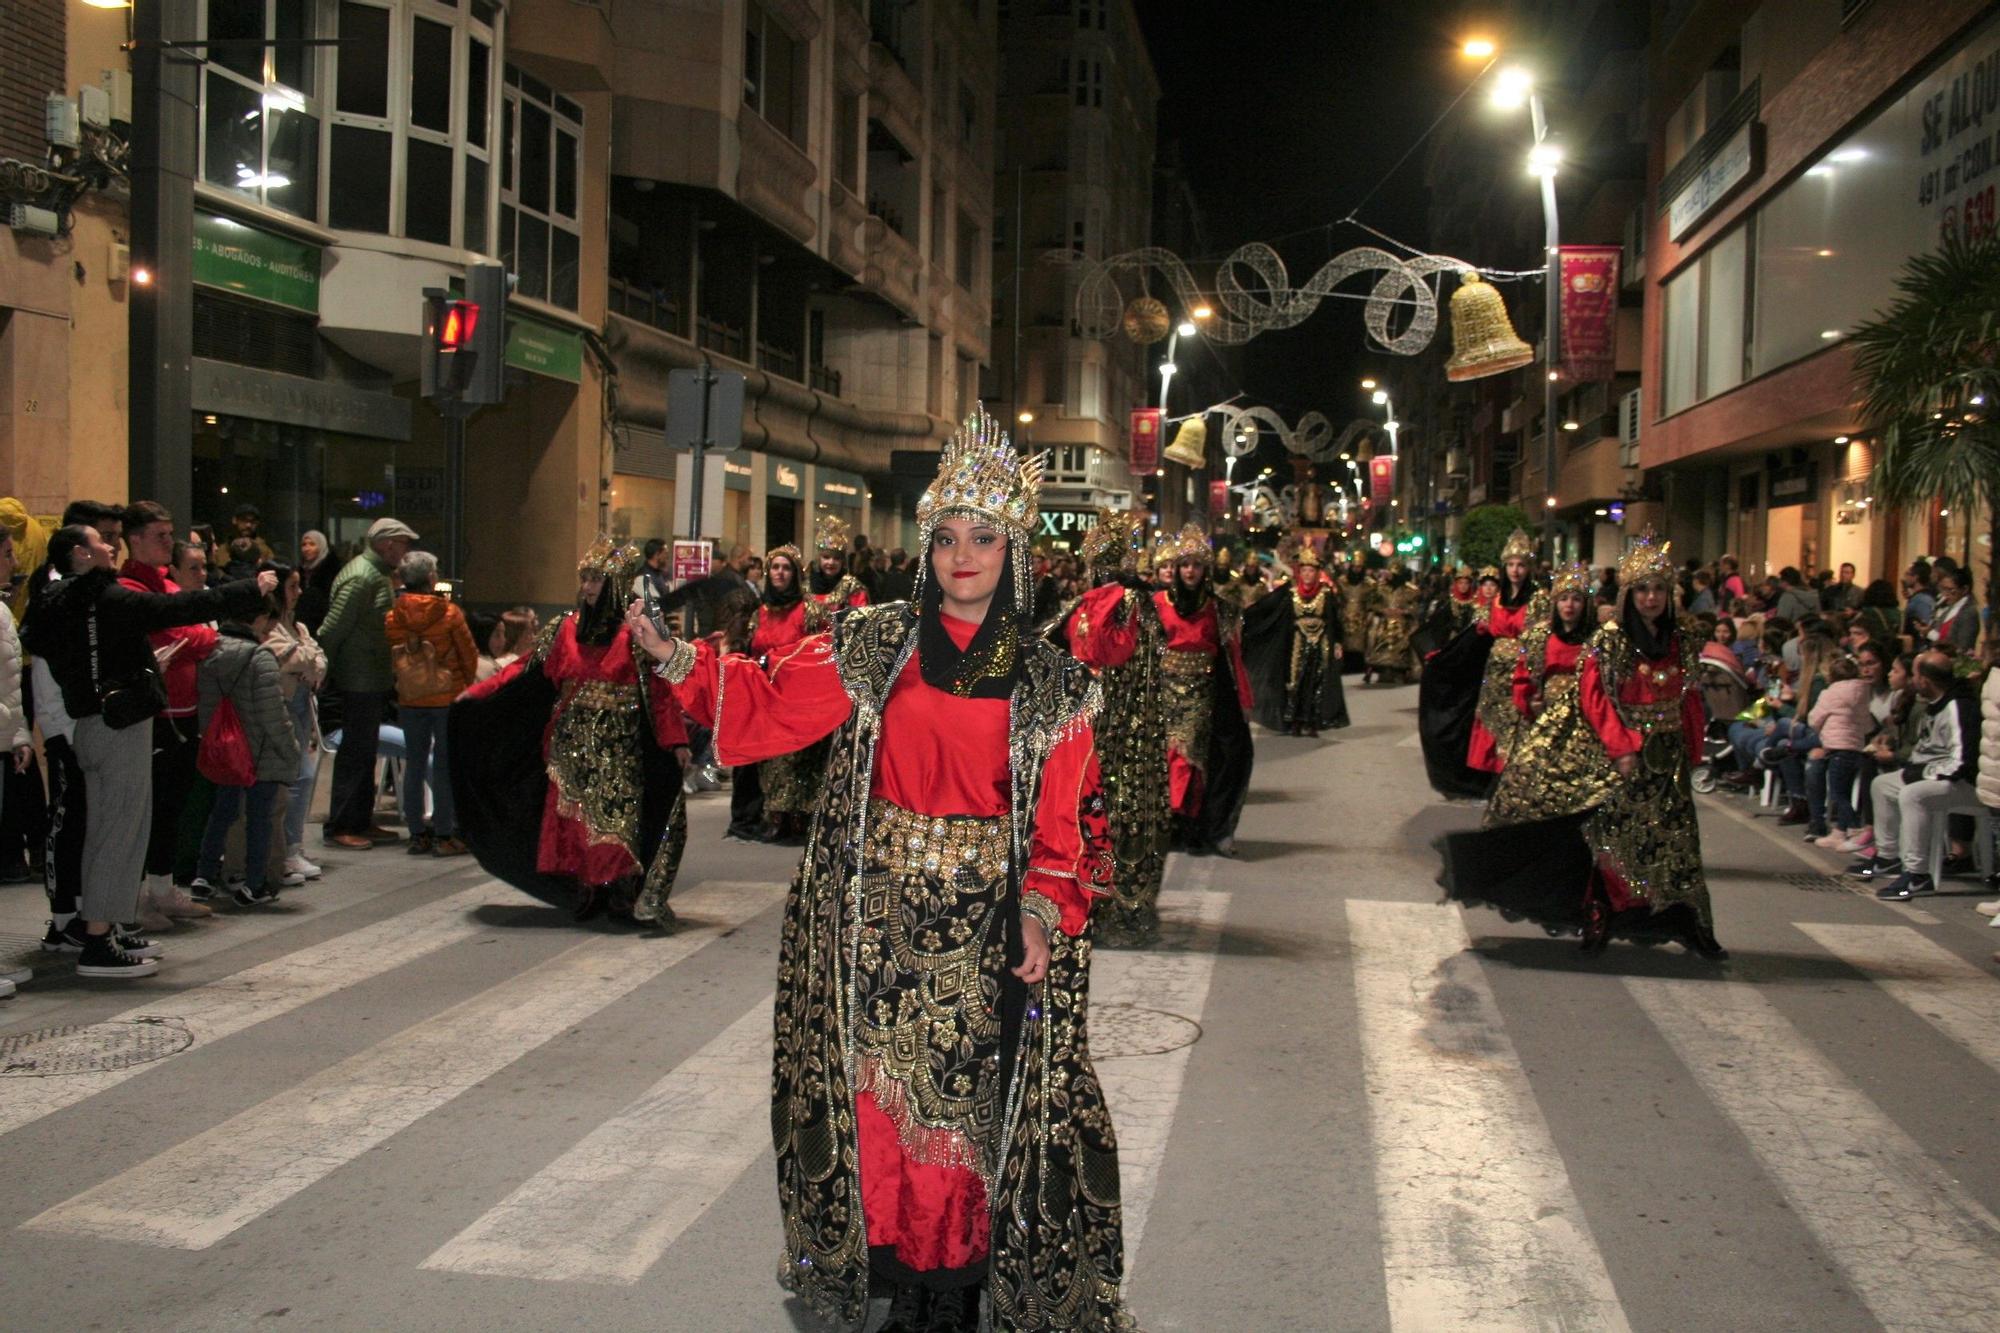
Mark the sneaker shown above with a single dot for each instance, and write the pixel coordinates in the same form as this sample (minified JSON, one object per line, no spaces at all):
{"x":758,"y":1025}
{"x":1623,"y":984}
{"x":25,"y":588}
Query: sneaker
{"x":1908,"y":885}
{"x":102,"y":957}
{"x":1795,"y":813}
{"x":289,"y":878}
{"x":1865,"y":868}
{"x":1834,"y":841}
{"x":420,"y":844}
{"x":1957,"y":865}
{"x":1813,"y":835}
{"x":203,"y":890}
{"x":1987,"y":909}
{"x":132,"y":942}
{"x":16,"y":975}
{"x":64,"y":939}
{"x":175,"y":904}
{"x":296,"y":864}
{"x":450,"y":847}
{"x":261,"y":896}
{"x":151,"y":917}
{"x":6,"y":990}
{"x":1861,"y":841}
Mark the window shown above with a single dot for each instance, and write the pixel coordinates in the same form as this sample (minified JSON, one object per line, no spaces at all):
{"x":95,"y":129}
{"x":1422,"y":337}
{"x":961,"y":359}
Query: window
{"x":968,"y":253}
{"x":968,"y":116}
{"x":774,"y":73}
{"x":1091,"y":13}
{"x":847,"y":142}
{"x":541,"y":234}
{"x":1089,"y":86}
{"x":940,"y":229}
{"x":1706,"y":321}
{"x":260,"y":121}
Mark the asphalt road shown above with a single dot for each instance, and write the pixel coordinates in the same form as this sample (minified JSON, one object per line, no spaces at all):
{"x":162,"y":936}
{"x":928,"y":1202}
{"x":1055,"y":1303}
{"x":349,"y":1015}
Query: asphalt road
{"x":411,"y":1098}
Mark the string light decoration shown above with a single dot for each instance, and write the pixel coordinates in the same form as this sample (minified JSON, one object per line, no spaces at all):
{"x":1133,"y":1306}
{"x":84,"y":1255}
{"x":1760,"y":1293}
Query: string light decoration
{"x":1311,"y":438}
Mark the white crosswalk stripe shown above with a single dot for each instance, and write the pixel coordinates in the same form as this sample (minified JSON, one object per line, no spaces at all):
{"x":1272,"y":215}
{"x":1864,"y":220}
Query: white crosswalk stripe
{"x":1480,"y":1226}
{"x":1915,"y":1247}
{"x":197,"y":1193}
{"x":1934,"y":983}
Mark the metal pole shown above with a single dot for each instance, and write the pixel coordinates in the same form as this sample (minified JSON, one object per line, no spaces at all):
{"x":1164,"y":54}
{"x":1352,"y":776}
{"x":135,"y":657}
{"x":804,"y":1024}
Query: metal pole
{"x":454,"y":488}
{"x":165,"y":130}
{"x":701,"y":442}
{"x":1168,"y":367}
{"x":1014,"y":375}
{"x":1551,"y":334}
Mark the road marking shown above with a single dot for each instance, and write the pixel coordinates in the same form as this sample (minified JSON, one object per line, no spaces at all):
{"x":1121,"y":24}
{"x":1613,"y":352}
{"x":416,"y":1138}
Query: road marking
{"x":198,"y":1192}
{"x":1953,"y":996}
{"x":606,"y":1210}
{"x":1480,"y":1228}
{"x":257,"y":994}
{"x":1143,"y":1092}
{"x":1915,"y":1248}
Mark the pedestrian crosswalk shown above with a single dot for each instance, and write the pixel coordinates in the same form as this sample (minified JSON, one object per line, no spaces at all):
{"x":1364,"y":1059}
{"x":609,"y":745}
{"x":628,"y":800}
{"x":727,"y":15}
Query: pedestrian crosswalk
{"x":1481,"y":1221}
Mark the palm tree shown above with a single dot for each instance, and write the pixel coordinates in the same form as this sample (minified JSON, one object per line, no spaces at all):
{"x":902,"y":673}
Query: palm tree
{"x":1929,"y":370}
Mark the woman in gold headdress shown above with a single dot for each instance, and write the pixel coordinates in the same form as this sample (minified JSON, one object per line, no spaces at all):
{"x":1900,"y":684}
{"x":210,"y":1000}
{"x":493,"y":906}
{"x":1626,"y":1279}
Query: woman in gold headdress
{"x":1394,"y":617}
{"x":1561,"y":758}
{"x":833,"y":585}
{"x":937,"y":1122}
{"x":1292,"y":647}
{"x":1501,"y":621}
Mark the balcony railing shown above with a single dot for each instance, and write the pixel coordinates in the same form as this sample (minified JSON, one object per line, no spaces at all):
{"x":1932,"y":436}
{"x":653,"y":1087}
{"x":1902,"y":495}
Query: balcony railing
{"x":647,"y":305}
{"x":827,"y":380}
{"x":778,"y":360}
{"x":716,"y":336}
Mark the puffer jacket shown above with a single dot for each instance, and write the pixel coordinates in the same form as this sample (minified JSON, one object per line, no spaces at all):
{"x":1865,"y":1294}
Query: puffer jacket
{"x":13,"y":717}
{"x":1989,"y":740}
{"x":357,"y":652}
{"x":421,"y":617}
{"x":241,"y":669}
{"x":1840,"y":715}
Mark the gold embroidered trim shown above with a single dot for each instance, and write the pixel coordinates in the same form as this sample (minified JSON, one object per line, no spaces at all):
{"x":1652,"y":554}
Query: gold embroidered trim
{"x":678,"y":664}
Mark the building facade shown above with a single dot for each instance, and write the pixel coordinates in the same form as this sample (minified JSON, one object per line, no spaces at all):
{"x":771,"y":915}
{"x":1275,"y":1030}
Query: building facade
{"x":1801,"y":151}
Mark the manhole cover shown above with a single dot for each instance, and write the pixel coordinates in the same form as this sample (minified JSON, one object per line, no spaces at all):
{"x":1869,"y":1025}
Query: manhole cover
{"x":1812,"y":883}
{"x":92,"y":1049}
{"x":1126,"y":1029}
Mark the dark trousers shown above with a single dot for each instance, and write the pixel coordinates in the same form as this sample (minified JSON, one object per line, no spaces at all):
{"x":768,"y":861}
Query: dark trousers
{"x":351,"y":808}
{"x":176,"y":745}
{"x":746,"y":801}
{"x":62,"y":869}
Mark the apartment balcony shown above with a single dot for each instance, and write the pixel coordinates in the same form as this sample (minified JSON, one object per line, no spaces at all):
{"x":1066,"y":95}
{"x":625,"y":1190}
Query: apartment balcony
{"x":647,"y":305}
{"x":893,"y":97}
{"x":774,"y":178}
{"x":893,"y":268}
{"x":846,"y":244}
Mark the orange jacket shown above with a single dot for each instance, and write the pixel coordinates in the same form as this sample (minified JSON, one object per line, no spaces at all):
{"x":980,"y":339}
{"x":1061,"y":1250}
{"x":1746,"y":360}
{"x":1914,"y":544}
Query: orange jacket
{"x":419,"y":617}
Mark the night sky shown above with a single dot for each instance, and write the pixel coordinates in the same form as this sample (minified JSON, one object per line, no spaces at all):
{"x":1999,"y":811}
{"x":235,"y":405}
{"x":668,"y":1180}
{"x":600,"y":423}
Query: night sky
{"x":1287,"y":112}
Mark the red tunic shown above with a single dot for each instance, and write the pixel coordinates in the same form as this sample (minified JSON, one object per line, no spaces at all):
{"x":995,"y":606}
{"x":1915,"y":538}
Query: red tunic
{"x":1558,"y":659}
{"x":567,"y":846}
{"x":778,"y":631}
{"x":938,"y":755}
{"x":1501,"y":622}
{"x":1655,"y":680}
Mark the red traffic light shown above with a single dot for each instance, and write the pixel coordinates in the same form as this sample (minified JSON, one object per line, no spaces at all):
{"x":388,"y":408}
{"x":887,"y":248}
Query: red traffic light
{"x":461,"y":319}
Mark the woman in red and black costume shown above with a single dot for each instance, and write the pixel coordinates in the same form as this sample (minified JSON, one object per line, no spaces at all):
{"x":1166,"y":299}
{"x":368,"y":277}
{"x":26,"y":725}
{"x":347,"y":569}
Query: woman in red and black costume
{"x":937,"y":1123}
{"x":1501,"y":621}
{"x":1465,"y":701}
{"x":785,"y":617}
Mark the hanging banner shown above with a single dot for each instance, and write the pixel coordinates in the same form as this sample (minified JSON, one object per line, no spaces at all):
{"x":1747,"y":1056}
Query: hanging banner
{"x":1589,"y":312}
{"x":1381,"y":480}
{"x":1218,"y":499}
{"x":1144,"y":454}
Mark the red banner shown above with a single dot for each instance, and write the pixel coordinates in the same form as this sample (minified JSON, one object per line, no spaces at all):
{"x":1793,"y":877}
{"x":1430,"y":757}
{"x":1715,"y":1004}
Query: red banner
{"x":1589,"y":312}
{"x":1218,"y":499}
{"x":1144,"y":458}
{"x":1381,"y":480}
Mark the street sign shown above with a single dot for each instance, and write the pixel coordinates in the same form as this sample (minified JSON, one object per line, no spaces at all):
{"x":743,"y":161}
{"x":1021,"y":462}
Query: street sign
{"x":692,"y":560}
{"x":721,"y":426}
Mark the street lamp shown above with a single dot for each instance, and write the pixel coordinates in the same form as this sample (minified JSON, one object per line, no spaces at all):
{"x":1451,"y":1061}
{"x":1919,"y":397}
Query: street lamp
{"x":1187,"y":328}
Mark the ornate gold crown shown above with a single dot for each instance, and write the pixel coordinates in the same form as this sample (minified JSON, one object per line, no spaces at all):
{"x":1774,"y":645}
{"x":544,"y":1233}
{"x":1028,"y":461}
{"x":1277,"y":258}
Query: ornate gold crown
{"x":789,"y":552}
{"x":1190,"y":544}
{"x":1307,"y":554}
{"x":1573,"y":577}
{"x":831,"y":532}
{"x":1649,"y":559}
{"x":1115,"y":539}
{"x":605,"y":558}
{"x":1489,"y":572}
{"x":980,"y":474}
{"x":1519,"y":546}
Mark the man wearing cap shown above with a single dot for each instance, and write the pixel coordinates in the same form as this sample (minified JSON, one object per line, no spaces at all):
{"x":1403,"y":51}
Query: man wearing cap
{"x":356,"y":640}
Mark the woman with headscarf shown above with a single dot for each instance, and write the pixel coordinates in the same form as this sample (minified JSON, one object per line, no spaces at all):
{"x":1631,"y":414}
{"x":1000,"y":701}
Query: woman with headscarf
{"x":784,"y":618}
{"x":1501,"y":621}
{"x":938,"y":1126}
{"x":566,"y":766}
{"x":1293,"y":649}
{"x":317,"y":570}
{"x":1558,"y":749}
{"x":1612,"y":854}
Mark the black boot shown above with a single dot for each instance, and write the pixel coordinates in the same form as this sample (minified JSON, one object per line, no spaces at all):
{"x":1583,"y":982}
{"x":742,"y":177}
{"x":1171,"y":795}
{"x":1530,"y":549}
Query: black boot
{"x":909,"y":1309}
{"x":955,"y":1311}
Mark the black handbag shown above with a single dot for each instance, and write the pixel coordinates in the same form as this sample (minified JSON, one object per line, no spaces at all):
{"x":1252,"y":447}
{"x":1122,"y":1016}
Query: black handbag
{"x":128,"y":702}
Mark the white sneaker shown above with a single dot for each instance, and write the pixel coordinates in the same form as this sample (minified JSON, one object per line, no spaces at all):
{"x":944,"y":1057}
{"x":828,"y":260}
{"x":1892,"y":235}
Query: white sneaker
{"x":150,"y":916}
{"x":291,"y":878}
{"x":296,"y":864}
{"x":16,"y":975}
{"x":1991,"y":909}
{"x":173,"y":902}
{"x":6,"y":990}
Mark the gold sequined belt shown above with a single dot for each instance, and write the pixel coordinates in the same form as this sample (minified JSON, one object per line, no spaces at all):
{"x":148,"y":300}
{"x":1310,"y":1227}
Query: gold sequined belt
{"x":1180,"y":662}
{"x":1558,"y":683}
{"x":910,"y":845}
{"x":1648,"y":718}
{"x":601,"y":694}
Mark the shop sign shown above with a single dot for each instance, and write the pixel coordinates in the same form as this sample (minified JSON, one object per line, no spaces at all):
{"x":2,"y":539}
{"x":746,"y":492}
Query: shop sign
{"x":1733,"y":164}
{"x":842,"y":490}
{"x":1144,"y":447}
{"x":785,"y":480}
{"x":291,"y":400}
{"x":1589,"y":312}
{"x":544,"y":349}
{"x":1793,"y":484}
{"x":736,"y":469}
{"x":692,"y":560}
{"x":1381,"y":480}
{"x":1067,"y":524}
{"x":261,"y":265}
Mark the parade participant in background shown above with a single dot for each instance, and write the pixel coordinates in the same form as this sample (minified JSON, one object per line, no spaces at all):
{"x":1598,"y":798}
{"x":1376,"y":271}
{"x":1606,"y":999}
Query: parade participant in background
{"x":1617,"y":856}
{"x":1356,"y":605}
{"x":1132,"y":729}
{"x":936,"y":1119}
{"x":785,"y":787}
{"x":831,"y":584}
{"x":1558,"y":747}
{"x":1292,"y":647}
{"x":1502,"y":623}
{"x":1465,"y":706}
{"x":567,"y":765}
{"x":1390,"y":623}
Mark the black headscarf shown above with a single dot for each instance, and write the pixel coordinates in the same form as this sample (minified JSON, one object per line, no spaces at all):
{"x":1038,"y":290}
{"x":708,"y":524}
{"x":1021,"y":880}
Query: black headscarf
{"x":789,"y":596}
{"x":1585,"y":624}
{"x":989,"y":666}
{"x":1187,"y":601}
{"x":1651,"y":641}
{"x":597,"y":621}
{"x":823,"y":582}
{"x":1512,"y":596}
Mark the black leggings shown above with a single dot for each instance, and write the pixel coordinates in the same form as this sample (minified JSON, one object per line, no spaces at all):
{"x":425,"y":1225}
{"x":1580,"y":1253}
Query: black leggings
{"x":62,"y":872}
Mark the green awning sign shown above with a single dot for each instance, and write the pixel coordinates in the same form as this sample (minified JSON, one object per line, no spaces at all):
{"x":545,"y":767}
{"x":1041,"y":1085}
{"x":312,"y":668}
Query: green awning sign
{"x":544,"y":349}
{"x":257,"y":264}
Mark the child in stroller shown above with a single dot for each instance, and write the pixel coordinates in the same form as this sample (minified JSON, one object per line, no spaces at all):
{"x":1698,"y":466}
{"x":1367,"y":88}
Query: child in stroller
{"x":1726,"y":692}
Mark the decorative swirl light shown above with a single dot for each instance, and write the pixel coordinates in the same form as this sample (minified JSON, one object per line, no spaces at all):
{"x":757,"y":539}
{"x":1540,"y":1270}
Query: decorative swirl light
{"x":1311,"y":438}
{"x":1271,"y":303}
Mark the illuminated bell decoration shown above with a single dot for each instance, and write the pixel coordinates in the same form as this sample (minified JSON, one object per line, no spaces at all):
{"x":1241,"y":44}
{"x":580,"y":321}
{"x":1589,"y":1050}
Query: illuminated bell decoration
{"x":1147,"y":321}
{"x":1190,"y":446}
{"x":1482,"y":338}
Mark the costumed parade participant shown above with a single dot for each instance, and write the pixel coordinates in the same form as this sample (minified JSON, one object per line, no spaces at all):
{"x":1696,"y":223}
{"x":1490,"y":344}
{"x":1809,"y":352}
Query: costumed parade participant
{"x":1502,"y":622}
{"x":1612,"y":850}
{"x":832,"y":585}
{"x":1132,"y":728}
{"x":1465,"y":703}
{"x":1389,"y":627}
{"x":936,"y":1119}
{"x":1560,"y":755}
{"x":566,"y":766}
{"x":784,"y":618}
{"x":1292,"y":646}
{"x":1356,"y":604}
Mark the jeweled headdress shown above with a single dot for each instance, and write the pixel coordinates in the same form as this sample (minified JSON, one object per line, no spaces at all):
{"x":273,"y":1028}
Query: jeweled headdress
{"x":831,"y":533}
{"x":1114,"y":542}
{"x":789,"y":552}
{"x":1489,"y":572}
{"x":606,"y":558}
{"x":1573,"y":577}
{"x":1191,"y":544}
{"x":981,"y":476}
{"x":1307,"y":554}
{"x":1649,"y":559}
{"x":1520,"y":546}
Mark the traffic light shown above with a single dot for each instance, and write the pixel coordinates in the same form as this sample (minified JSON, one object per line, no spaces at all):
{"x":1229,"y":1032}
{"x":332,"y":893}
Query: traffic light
{"x":464,"y":356}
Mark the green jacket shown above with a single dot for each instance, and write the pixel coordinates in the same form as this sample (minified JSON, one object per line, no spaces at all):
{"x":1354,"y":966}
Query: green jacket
{"x":353,"y":633}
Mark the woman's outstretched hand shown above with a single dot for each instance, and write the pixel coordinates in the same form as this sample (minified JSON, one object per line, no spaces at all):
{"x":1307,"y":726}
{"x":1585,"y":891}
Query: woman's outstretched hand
{"x":646,"y":634}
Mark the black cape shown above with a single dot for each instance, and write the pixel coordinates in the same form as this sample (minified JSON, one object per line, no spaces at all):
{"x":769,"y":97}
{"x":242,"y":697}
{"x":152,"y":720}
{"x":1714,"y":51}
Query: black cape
{"x":1540,"y":872}
{"x":1447,"y":703}
{"x":1267,"y":657}
{"x":500,"y":782}
{"x":1231,"y":754}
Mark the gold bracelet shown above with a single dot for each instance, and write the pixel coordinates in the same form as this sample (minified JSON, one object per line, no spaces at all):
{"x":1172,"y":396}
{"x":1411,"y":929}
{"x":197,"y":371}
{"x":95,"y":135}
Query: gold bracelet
{"x":678,"y":663}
